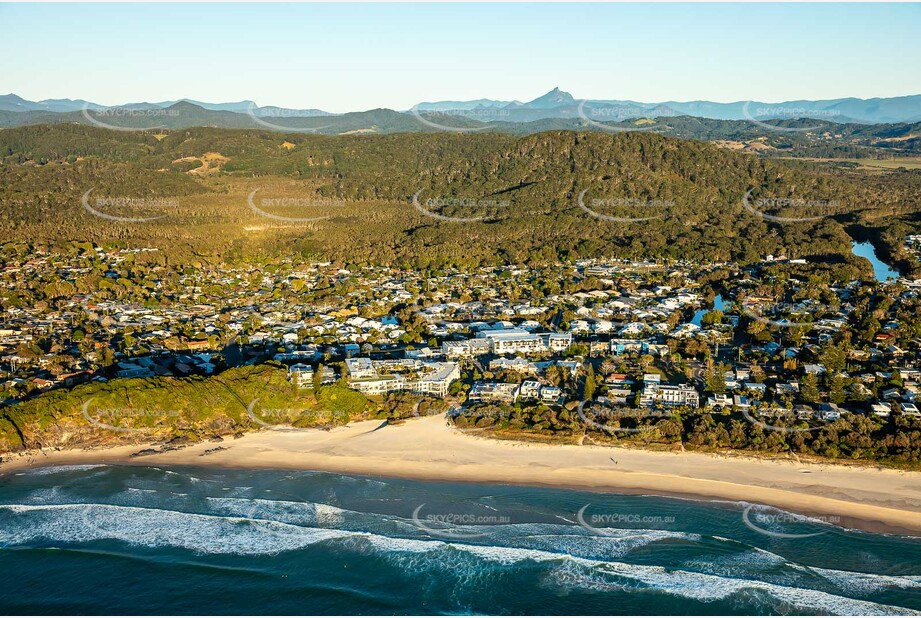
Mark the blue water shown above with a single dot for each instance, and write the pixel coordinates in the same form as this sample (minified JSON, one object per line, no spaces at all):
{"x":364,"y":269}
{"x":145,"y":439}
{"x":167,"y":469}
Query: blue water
{"x":135,"y":540}
{"x":718,"y":303}
{"x":881,"y":270}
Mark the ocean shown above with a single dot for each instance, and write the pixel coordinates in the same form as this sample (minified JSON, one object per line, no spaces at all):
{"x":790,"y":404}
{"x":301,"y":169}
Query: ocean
{"x":149,"y":540}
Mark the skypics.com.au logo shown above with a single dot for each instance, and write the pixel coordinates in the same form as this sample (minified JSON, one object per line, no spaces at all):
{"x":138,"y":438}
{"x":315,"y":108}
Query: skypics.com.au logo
{"x":593,"y":412}
{"x":439,"y":119}
{"x":105,"y":207}
{"x":105,"y":117}
{"x":266,"y":117}
{"x":802,"y":207}
{"x":611,"y":523}
{"x":778,"y":524}
{"x":625,"y":205}
{"x":309,"y":203}
{"x":788,"y":315}
{"x":746,"y":414}
{"x":781,"y":112}
{"x":435,"y":204}
{"x":119,"y":419}
{"x":286,"y":419}
{"x":454,"y":524}
{"x":598,"y":115}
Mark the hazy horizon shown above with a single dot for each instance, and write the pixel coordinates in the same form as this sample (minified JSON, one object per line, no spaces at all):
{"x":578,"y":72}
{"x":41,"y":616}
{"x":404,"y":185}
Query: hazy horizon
{"x":349,"y":58}
{"x":456,"y":99}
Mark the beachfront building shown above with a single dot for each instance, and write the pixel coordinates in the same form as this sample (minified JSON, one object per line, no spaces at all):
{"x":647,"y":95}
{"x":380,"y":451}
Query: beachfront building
{"x":416,"y":376}
{"x":301,"y":375}
{"x":719,"y":401}
{"x":552,"y":394}
{"x":501,"y":392}
{"x":655,"y":393}
{"x":360,"y":368}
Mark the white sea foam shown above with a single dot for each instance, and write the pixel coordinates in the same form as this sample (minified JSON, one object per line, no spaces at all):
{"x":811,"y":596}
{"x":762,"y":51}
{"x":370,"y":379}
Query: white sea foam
{"x":709,"y":588}
{"x":569,"y":571}
{"x":207,"y":534}
{"x":576,"y":542}
{"x":169,"y":472}
{"x":867,"y":583}
{"x":48,"y":495}
{"x":61,"y":469}
{"x":286,"y":511}
{"x":215,"y":534}
{"x":850,"y":581}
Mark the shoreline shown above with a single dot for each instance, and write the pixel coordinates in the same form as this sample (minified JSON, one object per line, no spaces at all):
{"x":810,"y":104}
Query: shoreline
{"x":426,"y":449}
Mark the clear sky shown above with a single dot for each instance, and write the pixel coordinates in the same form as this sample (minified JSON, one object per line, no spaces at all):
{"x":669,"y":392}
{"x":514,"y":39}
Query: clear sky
{"x":360,"y":56}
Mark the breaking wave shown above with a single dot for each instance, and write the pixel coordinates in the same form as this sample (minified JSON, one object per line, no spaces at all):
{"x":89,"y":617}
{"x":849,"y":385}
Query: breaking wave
{"x":564,"y":556}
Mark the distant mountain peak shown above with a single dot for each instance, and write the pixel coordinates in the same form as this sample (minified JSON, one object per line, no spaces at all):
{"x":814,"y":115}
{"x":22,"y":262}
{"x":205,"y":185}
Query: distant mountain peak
{"x":184,"y":104}
{"x":554,"y":98}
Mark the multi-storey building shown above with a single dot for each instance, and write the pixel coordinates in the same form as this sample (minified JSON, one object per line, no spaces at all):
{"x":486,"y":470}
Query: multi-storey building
{"x":518,"y":340}
{"x":377,"y":378}
{"x":513,"y":340}
{"x":669,"y":395}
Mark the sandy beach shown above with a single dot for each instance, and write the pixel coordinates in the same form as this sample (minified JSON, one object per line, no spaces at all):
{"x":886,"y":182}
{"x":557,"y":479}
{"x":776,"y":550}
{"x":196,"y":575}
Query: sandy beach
{"x":881,"y":500}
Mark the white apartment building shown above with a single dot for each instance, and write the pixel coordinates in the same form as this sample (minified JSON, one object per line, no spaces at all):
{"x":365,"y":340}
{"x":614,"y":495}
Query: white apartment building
{"x":466,"y":348}
{"x":719,"y":401}
{"x":512,"y":341}
{"x":557,"y":341}
{"x":494,"y":391}
{"x":422,"y":377}
{"x":515,"y":340}
{"x":360,"y":368}
{"x":669,"y":395}
{"x":301,"y":375}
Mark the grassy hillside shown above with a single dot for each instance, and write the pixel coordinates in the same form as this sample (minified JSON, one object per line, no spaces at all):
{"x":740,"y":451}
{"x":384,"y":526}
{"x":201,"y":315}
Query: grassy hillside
{"x":141,"y":410}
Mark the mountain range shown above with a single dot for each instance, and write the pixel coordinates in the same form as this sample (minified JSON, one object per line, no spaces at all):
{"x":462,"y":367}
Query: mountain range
{"x":810,"y":128}
{"x":561,"y":104}
{"x":15,"y":103}
{"x":556,"y":104}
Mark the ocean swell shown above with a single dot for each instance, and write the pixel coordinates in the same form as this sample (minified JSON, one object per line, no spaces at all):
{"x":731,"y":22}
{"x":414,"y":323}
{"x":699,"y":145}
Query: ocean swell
{"x":566,"y":557}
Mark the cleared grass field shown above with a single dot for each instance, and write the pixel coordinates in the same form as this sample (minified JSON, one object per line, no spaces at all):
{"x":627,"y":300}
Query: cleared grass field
{"x":909,"y":163}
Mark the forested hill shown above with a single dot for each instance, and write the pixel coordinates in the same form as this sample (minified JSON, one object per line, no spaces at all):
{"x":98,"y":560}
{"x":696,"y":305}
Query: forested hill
{"x":798,"y":137}
{"x":482,"y":198}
